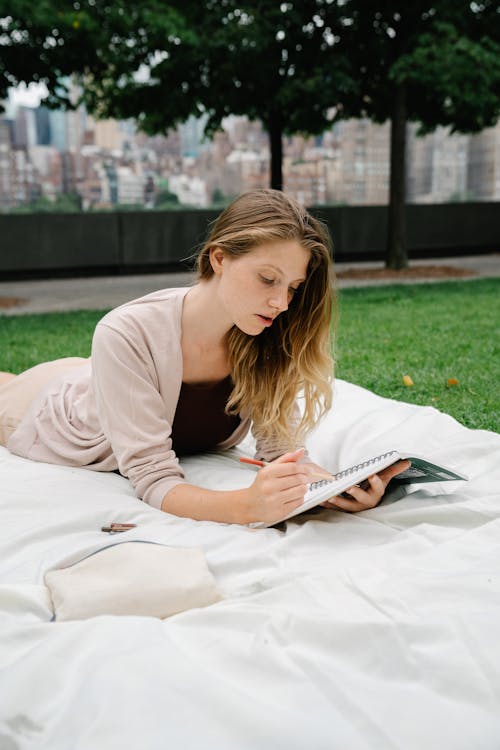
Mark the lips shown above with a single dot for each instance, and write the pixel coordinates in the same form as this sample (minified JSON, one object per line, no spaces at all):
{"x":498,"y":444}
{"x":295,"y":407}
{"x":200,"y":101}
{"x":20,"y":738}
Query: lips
{"x":265,"y":319}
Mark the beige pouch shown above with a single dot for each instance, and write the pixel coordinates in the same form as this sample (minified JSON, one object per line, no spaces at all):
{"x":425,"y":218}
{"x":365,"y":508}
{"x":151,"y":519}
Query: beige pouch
{"x":133,"y":578}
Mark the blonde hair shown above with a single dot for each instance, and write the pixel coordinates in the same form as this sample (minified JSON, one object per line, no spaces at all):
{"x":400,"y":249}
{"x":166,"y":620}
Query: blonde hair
{"x":296,"y":352}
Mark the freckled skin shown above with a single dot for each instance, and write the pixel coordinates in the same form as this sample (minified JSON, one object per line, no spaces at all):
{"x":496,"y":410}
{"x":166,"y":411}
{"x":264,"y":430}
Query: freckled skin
{"x":260,"y":283}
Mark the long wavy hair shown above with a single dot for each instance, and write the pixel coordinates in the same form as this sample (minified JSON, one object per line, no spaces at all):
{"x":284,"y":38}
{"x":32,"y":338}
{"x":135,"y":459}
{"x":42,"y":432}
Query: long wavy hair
{"x":296,"y":353}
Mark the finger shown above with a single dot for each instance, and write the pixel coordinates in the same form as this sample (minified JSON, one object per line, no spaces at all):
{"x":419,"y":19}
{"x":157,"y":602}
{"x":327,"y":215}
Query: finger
{"x":342,"y":503}
{"x":328,"y":504}
{"x":364,"y":488}
{"x":387,"y":474}
{"x":317,"y":476}
{"x":376,"y":487}
{"x":368,"y":498}
{"x":315,"y":472}
{"x":290,"y":469}
{"x":288,"y":457}
{"x":282,"y":484}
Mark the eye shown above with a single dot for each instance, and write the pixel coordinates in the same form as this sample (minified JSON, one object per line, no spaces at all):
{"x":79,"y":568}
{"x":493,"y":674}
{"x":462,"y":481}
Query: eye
{"x":293,"y":290}
{"x":265,"y":280}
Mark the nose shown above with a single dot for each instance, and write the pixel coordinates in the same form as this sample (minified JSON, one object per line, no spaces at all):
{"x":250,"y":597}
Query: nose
{"x":280,"y":300}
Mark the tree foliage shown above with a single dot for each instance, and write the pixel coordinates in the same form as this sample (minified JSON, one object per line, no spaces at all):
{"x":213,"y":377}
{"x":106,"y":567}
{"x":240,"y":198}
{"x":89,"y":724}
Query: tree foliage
{"x":159,"y":63}
{"x":67,"y":203}
{"x":294,"y":65}
{"x":445,"y":53}
{"x":434,"y":62}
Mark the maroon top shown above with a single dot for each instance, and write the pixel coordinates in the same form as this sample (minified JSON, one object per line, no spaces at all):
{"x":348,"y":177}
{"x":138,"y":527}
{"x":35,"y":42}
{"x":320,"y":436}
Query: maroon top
{"x":200,"y":422}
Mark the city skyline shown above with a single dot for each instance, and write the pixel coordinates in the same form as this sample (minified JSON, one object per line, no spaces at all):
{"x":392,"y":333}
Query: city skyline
{"x":52,"y":153}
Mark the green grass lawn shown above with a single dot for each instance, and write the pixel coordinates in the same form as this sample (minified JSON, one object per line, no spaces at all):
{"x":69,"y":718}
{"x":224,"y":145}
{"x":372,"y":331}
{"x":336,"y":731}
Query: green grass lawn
{"x":431,"y":332}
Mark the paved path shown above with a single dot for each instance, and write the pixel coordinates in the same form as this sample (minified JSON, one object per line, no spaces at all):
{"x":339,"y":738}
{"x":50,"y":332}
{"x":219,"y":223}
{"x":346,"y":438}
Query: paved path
{"x":56,"y":295}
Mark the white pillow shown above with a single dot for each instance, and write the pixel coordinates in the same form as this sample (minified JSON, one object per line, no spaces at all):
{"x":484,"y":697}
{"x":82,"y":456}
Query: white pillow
{"x":133,"y":578}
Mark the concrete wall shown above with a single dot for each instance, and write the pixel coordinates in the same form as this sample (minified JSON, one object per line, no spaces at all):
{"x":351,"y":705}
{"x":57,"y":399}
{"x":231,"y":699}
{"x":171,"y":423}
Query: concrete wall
{"x":52,"y":244}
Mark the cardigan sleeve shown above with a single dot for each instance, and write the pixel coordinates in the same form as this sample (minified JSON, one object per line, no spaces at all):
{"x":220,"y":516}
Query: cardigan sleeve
{"x":132,"y":412}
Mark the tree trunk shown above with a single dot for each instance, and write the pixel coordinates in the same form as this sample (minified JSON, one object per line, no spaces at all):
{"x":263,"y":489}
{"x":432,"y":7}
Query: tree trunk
{"x":396,"y":251}
{"x":275,"y":130}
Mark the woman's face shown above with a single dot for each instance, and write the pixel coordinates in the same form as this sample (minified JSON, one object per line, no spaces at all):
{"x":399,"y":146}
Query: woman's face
{"x":256,"y":287}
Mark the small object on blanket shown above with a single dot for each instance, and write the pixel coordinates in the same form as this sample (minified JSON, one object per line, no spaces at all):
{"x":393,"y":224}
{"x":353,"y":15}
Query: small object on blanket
{"x":116,"y":528}
{"x":133,"y":578}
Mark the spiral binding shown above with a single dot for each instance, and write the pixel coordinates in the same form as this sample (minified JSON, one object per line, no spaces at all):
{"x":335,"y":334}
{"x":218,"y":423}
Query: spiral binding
{"x":351,"y":470}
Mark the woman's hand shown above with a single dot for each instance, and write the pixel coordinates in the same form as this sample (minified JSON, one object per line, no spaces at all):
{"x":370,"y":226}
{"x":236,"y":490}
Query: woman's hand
{"x":278,"y":488}
{"x":364,"y":499}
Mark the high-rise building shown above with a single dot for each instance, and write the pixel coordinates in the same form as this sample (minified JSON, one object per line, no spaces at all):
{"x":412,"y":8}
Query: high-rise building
{"x":58,"y":129}
{"x":69,"y":172}
{"x":7,"y":189}
{"x":48,"y":164}
{"x":25,"y":132}
{"x":108,"y":162}
{"x":306,"y":181}
{"x":107,"y":134}
{"x":436,"y":166}
{"x":483,"y":165}
{"x":130,"y":186}
{"x":19,"y":179}
{"x":42,"y":122}
{"x":192,"y":136}
{"x":360,"y":163}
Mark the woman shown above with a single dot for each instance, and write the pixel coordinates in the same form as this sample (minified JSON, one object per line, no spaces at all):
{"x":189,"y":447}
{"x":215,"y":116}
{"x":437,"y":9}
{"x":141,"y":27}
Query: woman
{"x":188,"y":370}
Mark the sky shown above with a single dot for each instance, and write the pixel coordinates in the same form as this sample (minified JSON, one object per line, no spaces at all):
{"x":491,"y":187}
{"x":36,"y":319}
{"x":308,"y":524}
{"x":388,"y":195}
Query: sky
{"x":29,"y":96}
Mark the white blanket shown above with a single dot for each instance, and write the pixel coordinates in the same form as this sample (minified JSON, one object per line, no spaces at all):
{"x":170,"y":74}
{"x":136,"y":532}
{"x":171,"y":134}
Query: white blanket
{"x":367,"y":631}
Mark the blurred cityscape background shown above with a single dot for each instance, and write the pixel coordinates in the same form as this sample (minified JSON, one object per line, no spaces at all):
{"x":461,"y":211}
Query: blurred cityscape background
{"x":69,"y":161}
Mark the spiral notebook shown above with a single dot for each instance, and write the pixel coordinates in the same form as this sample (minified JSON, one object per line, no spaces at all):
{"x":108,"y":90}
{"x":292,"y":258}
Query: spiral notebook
{"x":420,"y":470}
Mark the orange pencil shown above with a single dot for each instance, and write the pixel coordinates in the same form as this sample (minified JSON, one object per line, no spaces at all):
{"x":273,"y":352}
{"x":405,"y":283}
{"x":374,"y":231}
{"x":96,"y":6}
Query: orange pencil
{"x":253,"y":461}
